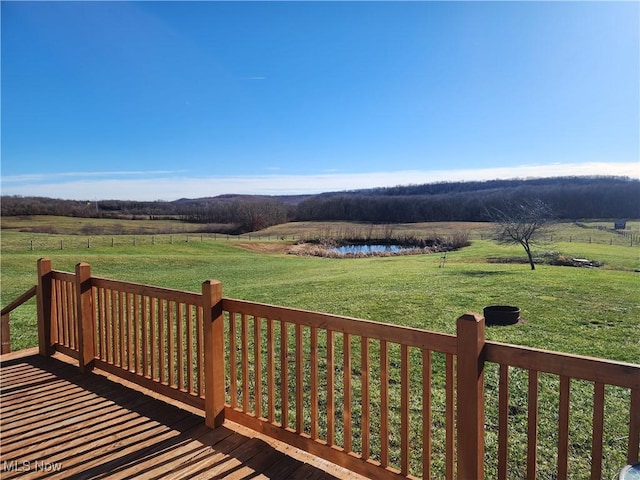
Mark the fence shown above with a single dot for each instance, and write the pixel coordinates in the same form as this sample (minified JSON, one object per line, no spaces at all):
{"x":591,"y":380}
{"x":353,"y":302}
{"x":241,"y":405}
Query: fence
{"x":43,"y":242}
{"x":383,"y":400}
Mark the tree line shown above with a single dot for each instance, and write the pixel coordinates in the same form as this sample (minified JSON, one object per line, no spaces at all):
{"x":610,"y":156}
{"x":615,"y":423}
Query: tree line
{"x":569,"y":197}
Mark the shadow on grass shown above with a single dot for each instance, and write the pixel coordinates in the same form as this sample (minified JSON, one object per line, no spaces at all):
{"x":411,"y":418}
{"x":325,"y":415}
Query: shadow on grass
{"x":480,"y":273}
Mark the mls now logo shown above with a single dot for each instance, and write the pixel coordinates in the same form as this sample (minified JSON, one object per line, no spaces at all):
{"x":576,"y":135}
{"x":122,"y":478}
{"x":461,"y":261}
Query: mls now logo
{"x":31,"y":466}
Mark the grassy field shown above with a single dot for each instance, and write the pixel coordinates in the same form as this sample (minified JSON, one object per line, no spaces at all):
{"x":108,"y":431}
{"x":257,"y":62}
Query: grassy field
{"x":587,"y":311}
{"x":591,"y":311}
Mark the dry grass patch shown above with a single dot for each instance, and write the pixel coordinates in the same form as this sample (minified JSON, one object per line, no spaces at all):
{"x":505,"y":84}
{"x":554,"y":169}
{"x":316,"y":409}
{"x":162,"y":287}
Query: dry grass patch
{"x":271,"y":247}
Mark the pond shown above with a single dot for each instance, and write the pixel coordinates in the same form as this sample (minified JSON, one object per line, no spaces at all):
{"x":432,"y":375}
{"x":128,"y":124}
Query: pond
{"x":367,"y":249}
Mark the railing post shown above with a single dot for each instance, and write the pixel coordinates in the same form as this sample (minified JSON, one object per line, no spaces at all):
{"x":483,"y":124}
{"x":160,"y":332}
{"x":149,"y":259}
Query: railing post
{"x":5,"y":334}
{"x":470,"y":400}
{"x":85,"y":316}
{"x":44,"y":307}
{"x":214,"y":388}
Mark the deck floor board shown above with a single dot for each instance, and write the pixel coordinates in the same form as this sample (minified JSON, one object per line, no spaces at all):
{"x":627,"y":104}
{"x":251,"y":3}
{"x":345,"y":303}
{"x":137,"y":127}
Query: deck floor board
{"x":56,"y":422}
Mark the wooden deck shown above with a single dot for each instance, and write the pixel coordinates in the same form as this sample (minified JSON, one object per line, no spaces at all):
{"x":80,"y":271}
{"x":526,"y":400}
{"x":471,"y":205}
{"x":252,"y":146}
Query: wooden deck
{"x":59,"y":423}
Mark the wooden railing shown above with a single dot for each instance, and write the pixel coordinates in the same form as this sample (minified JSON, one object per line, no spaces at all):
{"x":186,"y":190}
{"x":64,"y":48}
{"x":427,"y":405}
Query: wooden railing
{"x":5,"y":322}
{"x":566,"y":370}
{"x":382,"y":400}
{"x":349,"y":390}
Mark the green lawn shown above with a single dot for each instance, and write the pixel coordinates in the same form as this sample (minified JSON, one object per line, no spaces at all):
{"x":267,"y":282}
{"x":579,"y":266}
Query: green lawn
{"x":588,"y":311}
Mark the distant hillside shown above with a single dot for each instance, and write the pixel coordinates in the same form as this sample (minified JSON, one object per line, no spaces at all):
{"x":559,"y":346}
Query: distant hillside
{"x":570,"y":197}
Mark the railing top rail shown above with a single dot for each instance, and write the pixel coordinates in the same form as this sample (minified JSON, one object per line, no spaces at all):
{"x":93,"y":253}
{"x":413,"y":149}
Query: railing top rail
{"x":63,"y":276}
{"x":575,"y":366}
{"x":412,"y":337}
{"x":148,"y":290}
{"x":20,"y":300}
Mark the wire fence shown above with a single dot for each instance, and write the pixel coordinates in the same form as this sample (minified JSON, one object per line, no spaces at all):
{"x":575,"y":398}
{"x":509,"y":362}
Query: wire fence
{"x":41,"y":242}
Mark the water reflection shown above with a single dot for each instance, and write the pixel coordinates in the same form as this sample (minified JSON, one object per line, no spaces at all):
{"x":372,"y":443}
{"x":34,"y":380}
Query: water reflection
{"x":367,"y":249}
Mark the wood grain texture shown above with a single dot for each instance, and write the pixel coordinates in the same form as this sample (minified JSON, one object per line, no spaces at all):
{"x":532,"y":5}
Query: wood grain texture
{"x":63,"y":424}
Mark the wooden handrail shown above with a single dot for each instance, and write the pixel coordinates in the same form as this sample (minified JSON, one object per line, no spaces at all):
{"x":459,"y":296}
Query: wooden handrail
{"x":564,"y":364}
{"x":20,"y":300}
{"x":413,"y":337}
{"x":148,"y":290}
{"x":5,"y":328}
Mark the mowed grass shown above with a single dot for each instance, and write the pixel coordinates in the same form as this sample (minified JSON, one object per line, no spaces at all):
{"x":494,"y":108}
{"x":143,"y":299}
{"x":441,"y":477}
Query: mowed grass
{"x":587,"y":311}
{"x":77,"y":225}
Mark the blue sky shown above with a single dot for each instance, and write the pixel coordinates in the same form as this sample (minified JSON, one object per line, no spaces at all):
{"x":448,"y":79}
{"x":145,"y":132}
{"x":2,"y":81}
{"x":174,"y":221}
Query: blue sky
{"x":163,"y":100}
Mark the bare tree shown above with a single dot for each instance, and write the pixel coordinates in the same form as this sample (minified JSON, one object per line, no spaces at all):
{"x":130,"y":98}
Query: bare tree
{"x":522,"y":223}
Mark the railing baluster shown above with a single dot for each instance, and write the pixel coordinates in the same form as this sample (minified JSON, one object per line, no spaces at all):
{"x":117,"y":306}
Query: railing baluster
{"x":68,"y":306}
{"x":450,"y":417}
{"x":314,"y":382}
{"x":532,"y":424}
{"x":364,"y":360}
{"x":245,"y":362}
{"x":74,"y":314}
{"x":122,"y":335}
{"x":299,"y":380}
{"x":105,"y":311}
{"x":172,"y":343}
{"x":426,"y":414}
{"x":131,"y":331}
{"x":113,"y":329}
{"x":598,"y":430}
{"x":384,"y":404}
{"x":180,"y":321}
{"x":161,"y":340}
{"x":563,"y":428}
{"x":201,"y":362}
{"x":233,"y":360}
{"x":346,"y":377}
{"x":503,"y":422}
{"x":145,"y":335}
{"x":284,"y":374}
{"x":97,"y":326}
{"x":153,"y":320}
{"x":271,"y":372}
{"x":97,"y":305}
{"x":331,"y":432}
{"x":404,"y":409}
{"x":57,"y":333}
{"x":64,"y":309}
{"x":60,"y":311}
{"x":136,"y":340}
{"x":126,"y":332}
{"x":193,"y":368}
{"x":634,"y":427}
{"x":257,"y":367}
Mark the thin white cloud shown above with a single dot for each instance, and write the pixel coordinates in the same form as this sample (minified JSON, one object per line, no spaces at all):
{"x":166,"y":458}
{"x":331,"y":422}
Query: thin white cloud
{"x":160,"y":185}
{"x":48,"y":177}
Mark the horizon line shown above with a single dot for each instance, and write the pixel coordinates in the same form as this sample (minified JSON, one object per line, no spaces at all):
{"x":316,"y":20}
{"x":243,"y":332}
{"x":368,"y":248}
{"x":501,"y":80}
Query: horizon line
{"x":170,"y":185}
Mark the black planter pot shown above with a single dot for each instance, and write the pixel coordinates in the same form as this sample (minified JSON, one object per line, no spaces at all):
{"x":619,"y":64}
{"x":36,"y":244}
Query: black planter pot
{"x":501,"y":315}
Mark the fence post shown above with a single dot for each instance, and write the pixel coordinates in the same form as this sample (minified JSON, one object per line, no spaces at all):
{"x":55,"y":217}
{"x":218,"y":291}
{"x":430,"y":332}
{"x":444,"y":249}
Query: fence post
{"x":85,"y":316}
{"x":470,"y":400}
{"x":44,"y":307}
{"x":214,"y":388}
{"x":5,"y":334}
